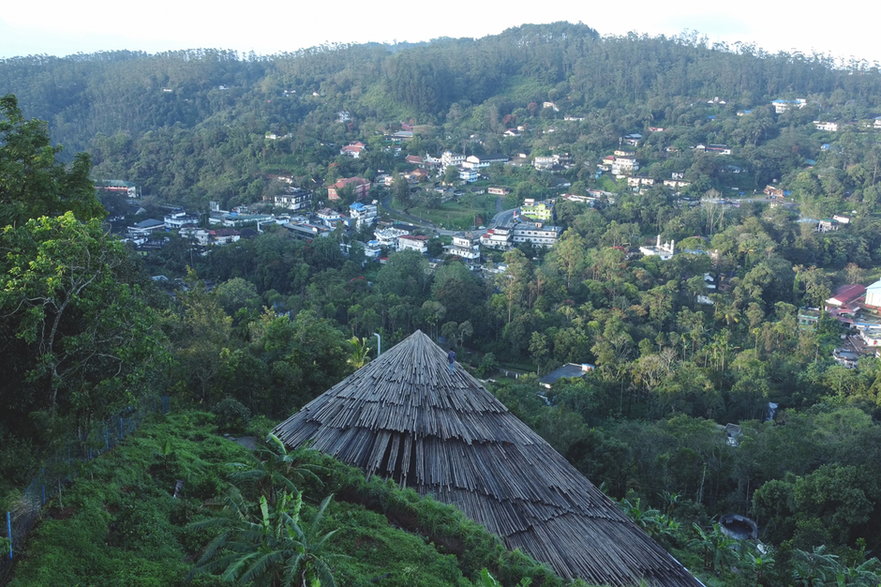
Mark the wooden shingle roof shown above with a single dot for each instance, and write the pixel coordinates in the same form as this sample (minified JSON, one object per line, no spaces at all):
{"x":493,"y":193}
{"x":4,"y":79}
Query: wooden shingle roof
{"x":408,"y":416}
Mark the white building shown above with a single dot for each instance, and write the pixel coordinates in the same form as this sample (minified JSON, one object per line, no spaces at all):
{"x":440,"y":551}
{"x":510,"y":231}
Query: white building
{"x":540,"y":235}
{"x":409,"y":242}
{"x":177,"y":220}
{"x":546,"y":163}
{"x":388,"y":237}
{"x":465,"y":247}
{"x":362,"y":214}
{"x":293,"y":199}
{"x":781,"y":106}
{"x":873,"y":295}
{"x":449,"y":158}
{"x":826,"y":125}
{"x":665,"y":251}
{"x":497,"y":238}
{"x":469,"y":175}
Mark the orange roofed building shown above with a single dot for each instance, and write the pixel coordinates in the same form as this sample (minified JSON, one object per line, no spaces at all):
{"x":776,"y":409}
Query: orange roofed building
{"x":360,"y":186}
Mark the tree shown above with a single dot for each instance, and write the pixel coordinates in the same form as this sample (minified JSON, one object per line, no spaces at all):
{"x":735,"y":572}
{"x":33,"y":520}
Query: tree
{"x":80,"y":331}
{"x":32,"y":181}
{"x":204,"y":339}
{"x":272,"y":544}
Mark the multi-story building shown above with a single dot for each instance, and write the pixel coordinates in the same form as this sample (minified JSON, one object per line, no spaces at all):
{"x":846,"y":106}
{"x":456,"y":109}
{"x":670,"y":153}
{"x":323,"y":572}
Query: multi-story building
{"x":362,"y":214}
{"x":540,"y":235}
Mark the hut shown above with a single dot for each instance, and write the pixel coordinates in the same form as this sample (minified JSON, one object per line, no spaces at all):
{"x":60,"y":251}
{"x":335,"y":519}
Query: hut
{"x":410,"y":416}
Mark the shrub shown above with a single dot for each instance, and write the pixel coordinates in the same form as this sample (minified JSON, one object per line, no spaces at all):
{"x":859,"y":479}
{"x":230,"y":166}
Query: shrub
{"x":232,"y":415}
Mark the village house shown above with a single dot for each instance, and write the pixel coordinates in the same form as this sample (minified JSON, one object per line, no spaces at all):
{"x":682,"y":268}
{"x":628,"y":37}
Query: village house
{"x":359,"y":185}
{"x":541,"y":211}
{"x":543,"y":163}
{"x":411,"y":242}
{"x":498,"y":191}
{"x":177,"y":220}
{"x":826,"y":125}
{"x":388,"y":237}
{"x":468,"y":175}
{"x":329,"y":217}
{"x":450,"y":159}
{"x":306,"y":231}
{"x":465,"y":247}
{"x":353,"y":150}
{"x":223,"y":236}
{"x":199,"y":235}
{"x":498,"y":237}
{"x":118,"y":186}
{"x":781,"y":106}
{"x":145,"y":228}
{"x":293,"y":198}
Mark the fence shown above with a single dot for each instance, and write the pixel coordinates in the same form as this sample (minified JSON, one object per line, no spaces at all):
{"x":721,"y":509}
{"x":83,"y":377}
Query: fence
{"x":60,"y":469}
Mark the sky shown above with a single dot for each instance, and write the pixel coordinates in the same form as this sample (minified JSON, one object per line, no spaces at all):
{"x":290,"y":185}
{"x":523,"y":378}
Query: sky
{"x":53,"y":27}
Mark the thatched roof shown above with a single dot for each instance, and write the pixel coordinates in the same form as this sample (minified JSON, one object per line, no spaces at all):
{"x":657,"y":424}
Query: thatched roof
{"x":408,"y":416}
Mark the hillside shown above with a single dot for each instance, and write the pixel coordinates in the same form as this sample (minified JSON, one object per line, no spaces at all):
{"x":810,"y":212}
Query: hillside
{"x":663,"y":257}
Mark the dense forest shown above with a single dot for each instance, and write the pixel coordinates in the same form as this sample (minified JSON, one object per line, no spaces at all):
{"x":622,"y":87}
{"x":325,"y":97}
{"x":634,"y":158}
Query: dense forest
{"x":251,"y":331}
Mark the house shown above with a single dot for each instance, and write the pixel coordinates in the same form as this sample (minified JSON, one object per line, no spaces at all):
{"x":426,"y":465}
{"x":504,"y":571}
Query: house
{"x":448,"y":159}
{"x":224,"y":236}
{"x":306,"y":231}
{"x":362,"y":214}
{"x":543,"y":163}
{"x":873,"y":295}
{"x":773,"y":191}
{"x":826,"y":125}
{"x":411,"y":242}
{"x":414,"y":160}
{"x":497,"y":191}
{"x":498,"y":237}
{"x":465,"y":247}
{"x":199,"y":235}
{"x":353,"y":150}
{"x":118,"y":186}
{"x":359,"y":186}
{"x":567,"y":371}
{"x":632,"y":139}
{"x":388,"y":237}
{"x":622,"y":166}
{"x":781,"y":106}
{"x":468,"y":175}
{"x":871,"y":336}
{"x":413,"y":418}
{"x":846,"y":358}
{"x":665,"y":251}
{"x":541,"y":211}
{"x":329,"y":217}
{"x":808,"y":318}
{"x":475,"y":162}
{"x":177,"y":220}
{"x":638,"y":182}
{"x":293,"y":198}
{"x":145,"y":227}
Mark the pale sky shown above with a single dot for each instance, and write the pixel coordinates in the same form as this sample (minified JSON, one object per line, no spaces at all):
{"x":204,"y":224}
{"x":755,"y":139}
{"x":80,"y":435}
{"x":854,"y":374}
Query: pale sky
{"x":60,"y":28}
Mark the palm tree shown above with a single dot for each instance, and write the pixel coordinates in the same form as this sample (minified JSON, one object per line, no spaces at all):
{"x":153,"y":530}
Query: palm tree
{"x":268,"y":545}
{"x":277,"y":470}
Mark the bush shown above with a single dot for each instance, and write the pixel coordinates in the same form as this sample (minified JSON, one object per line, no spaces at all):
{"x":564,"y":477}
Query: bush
{"x":232,"y":415}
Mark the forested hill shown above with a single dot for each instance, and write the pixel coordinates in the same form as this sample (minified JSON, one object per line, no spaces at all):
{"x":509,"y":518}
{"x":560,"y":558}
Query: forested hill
{"x":135,"y":112}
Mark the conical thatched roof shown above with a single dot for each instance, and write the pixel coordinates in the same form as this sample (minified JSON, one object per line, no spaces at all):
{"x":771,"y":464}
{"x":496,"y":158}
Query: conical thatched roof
{"x":409,"y":417}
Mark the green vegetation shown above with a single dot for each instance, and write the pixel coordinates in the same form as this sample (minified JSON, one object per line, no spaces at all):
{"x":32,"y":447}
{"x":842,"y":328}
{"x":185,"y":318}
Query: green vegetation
{"x":255,"y":329}
{"x":121,"y":524}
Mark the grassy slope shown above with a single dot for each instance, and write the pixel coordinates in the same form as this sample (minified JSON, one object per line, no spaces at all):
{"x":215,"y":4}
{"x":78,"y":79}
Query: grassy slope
{"x":119,"y":525}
